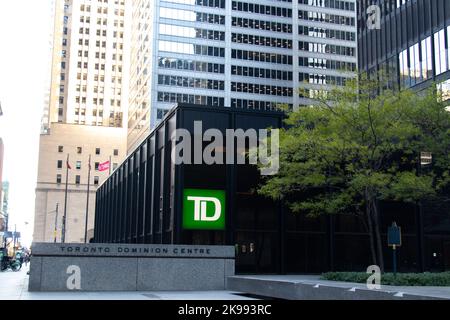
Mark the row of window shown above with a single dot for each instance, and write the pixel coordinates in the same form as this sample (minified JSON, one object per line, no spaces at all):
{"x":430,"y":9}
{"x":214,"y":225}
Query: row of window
{"x":98,"y":113}
{"x":100,"y":78}
{"x":188,"y":32}
{"x":85,"y":54}
{"x":101,"y":33}
{"x":78,"y":165}
{"x":261,"y":56}
{"x":80,"y":151}
{"x":97,"y":55}
{"x":326,"y":33}
{"x":326,"y":17}
{"x":185,"y":15}
{"x":261,"y":25}
{"x":187,"y":48}
{"x":315,"y":78}
{"x":87,"y":20}
{"x":190,"y":98}
{"x":205,"y":3}
{"x":77,"y":179}
{"x":97,"y":66}
{"x":261,"y":89}
{"x":416,"y":62}
{"x":254,"y":104}
{"x":326,"y":48}
{"x":184,"y":64}
{"x":261,"y":73}
{"x":334,"y":4}
{"x":261,"y":9}
{"x":101,"y":10}
{"x":189,"y":82}
{"x":95,"y":101}
{"x":97,"y":89}
{"x":261,"y":40}
{"x":326,"y":64}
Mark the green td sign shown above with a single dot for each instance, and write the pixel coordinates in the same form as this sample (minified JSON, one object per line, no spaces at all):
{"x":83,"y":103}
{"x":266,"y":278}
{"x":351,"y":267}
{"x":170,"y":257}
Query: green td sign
{"x":203,"y":209}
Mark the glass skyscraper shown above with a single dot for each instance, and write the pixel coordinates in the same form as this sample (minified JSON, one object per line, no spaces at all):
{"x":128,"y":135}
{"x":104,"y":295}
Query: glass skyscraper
{"x":246,"y":54}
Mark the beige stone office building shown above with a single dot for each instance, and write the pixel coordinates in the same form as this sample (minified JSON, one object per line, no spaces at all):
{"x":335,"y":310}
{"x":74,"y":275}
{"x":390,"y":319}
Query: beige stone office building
{"x":79,"y":142}
{"x":84,"y":113}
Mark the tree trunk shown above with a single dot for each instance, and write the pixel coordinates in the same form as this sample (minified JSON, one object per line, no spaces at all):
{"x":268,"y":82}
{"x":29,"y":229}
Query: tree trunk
{"x":371,"y":231}
{"x":376,"y":219}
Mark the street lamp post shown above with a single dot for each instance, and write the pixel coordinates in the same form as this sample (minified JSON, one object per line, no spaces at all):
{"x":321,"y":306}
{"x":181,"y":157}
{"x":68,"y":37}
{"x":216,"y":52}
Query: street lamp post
{"x":14,"y":238}
{"x":56,"y":222}
{"x":425,"y":160}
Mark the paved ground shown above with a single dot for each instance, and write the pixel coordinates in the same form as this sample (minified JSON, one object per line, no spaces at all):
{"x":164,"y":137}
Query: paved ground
{"x":437,"y":292}
{"x":14,"y":286}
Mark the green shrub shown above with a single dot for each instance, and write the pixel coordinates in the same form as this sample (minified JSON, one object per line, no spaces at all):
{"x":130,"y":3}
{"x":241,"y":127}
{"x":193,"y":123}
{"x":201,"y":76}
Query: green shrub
{"x":402,"y":279}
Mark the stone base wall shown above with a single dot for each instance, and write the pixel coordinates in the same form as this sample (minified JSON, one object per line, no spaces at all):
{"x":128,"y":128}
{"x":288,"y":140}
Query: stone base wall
{"x":111,"y":267}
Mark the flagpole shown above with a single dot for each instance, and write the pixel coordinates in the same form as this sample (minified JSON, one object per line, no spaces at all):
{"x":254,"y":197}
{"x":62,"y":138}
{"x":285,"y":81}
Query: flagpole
{"x":110,"y":164}
{"x":87,"y":202}
{"x":63,"y":235}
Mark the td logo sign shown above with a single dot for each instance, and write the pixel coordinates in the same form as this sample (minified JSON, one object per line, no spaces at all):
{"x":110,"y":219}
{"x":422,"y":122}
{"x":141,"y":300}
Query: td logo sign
{"x":204,"y":209}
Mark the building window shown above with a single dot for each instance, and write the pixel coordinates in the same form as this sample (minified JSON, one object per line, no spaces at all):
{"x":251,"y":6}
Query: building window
{"x":60,"y":149}
{"x":440,"y":52}
{"x":96,"y":181}
{"x":79,"y":150}
{"x":97,"y":164}
{"x":58,"y":179}
{"x":116,"y":152}
{"x":78,"y":165}
{"x":115,"y":165}
{"x":77,"y":179}
{"x":97,"y":151}
{"x":60,"y":164}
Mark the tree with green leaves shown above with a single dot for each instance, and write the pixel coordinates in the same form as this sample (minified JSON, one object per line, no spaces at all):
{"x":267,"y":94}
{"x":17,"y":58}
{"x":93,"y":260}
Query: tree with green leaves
{"x":356,"y":148}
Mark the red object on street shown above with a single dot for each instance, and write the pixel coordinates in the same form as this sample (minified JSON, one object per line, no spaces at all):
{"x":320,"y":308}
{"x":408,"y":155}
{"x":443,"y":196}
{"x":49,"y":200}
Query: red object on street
{"x":103,"y":166}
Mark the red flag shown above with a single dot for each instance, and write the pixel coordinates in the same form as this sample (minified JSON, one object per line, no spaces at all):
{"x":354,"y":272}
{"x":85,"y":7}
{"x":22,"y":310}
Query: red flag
{"x":103,"y":166}
{"x":68,"y":166}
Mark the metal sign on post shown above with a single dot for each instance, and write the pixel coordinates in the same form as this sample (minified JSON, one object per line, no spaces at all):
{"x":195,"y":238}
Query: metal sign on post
{"x":394,"y":241}
{"x":426,"y":158}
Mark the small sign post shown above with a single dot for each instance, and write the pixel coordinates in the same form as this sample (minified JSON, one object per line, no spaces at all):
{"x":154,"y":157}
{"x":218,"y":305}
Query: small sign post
{"x":394,"y":240}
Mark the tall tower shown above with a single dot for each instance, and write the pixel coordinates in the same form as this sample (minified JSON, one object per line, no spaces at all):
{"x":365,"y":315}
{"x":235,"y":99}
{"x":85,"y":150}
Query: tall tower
{"x":241,"y":53}
{"x":84,"y":112}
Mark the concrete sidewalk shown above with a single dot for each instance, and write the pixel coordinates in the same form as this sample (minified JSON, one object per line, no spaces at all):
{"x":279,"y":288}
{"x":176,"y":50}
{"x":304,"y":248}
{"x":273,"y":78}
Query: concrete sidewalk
{"x":395,"y":292}
{"x":14,"y":286}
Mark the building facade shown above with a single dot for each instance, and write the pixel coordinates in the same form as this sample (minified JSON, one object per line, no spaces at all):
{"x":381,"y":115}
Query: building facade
{"x":251,"y":54}
{"x":149,"y":199}
{"x":411,"y":44}
{"x":80,"y":143}
{"x":89,"y":74}
{"x":85,"y":110}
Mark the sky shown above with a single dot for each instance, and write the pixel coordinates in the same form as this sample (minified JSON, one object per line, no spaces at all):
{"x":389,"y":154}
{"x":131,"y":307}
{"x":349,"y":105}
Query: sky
{"x":24,"y":58}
